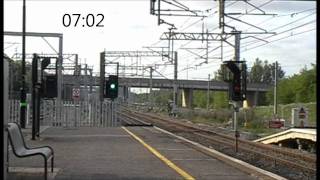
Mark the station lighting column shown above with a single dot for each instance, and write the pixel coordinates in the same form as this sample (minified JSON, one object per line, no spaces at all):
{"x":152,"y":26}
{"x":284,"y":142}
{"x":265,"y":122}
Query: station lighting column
{"x":23,"y":103}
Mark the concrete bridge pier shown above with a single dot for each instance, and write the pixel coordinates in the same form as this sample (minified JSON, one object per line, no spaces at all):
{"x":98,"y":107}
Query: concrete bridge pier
{"x":124,"y":93}
{"x":187,"y":97}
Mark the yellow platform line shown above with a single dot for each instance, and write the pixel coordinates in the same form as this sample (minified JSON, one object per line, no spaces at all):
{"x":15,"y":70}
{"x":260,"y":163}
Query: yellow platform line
{"x":184,"y":174}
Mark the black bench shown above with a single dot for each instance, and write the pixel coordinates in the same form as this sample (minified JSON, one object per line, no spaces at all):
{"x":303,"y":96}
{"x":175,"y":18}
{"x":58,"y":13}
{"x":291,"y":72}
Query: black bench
{"x":20,"y":149}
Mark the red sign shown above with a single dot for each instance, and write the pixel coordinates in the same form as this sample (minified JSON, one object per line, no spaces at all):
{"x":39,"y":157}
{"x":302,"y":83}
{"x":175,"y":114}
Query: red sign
{"x":75,"y":93}
{"x":276,"y":124}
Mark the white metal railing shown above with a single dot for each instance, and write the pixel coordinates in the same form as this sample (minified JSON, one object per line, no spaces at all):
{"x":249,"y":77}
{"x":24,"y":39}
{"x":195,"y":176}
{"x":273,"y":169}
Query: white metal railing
{"x":73,"y":113}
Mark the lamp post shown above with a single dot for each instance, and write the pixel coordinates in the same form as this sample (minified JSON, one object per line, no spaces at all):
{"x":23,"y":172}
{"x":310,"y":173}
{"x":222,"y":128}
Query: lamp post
{"x":23,"y":103}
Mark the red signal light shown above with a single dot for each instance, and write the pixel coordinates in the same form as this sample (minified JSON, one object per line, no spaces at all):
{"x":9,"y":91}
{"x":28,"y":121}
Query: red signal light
{"x":237,"y":88}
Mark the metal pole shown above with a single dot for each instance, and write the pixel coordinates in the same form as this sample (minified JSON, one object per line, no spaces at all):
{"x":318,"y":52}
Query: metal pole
{"x":175,"y":88}
{"x":236,"y":104}
{"x":275,"y":89}
{"x":23,"y":103}
{"x":102,"y":74}
{"x":38,"y":86}
{"x":91,"y":79}
{"x":207,"y":49}
{"x":60,"y":62}
{"x":236,"y":109}
{"x":118,"y":69}
{"x":34,"y":81}
{"x":86,"y":83}
{"x":159,"y":13}
{"x":4,"y":115}
{"x":77,"y":86}
{"x":150,"y":93}
{"x":237,"y":46}
{"x":169,"y":46}
{"x":208,"y":92}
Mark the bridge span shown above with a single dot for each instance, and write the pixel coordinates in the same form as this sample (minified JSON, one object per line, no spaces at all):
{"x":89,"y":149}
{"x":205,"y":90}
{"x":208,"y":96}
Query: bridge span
{"x":185,"y":87}
{"x":165,"y":83}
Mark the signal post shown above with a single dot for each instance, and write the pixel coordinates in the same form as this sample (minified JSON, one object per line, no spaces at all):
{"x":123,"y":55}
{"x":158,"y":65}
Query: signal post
{"x":234,"y":72}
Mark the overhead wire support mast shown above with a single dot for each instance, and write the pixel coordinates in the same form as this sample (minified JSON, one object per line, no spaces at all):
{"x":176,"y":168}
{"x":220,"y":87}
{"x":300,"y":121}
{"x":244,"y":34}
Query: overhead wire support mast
{"x":237,"y":38}
{"x":134,"y":53}
{"x":194,"y":36}
{"x":180,"y":10}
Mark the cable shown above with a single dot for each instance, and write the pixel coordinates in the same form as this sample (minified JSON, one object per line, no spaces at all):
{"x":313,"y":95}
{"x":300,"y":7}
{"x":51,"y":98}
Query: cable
{"x":257,"y":41}
{"x":279,"y":27}
{"x":269,"y":43}
{"x":282,"y":38}
{"x":302,"y":25}
{"x":231,"y":19}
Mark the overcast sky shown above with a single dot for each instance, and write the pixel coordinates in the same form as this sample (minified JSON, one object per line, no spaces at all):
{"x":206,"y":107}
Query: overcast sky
{"x":128,"y":25}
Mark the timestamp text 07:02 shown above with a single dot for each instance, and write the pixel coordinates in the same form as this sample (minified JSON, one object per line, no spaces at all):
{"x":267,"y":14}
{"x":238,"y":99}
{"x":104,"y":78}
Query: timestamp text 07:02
{"x":88,"y":20}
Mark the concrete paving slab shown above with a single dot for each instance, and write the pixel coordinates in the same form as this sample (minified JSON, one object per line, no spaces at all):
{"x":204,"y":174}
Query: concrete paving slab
{"x":90,"y":153}
{"x":199,"y":165}
{"x":96,"y":153}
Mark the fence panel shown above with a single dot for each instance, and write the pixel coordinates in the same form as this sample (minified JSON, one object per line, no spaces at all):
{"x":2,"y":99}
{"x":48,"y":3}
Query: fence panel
{"x":73,"y":114}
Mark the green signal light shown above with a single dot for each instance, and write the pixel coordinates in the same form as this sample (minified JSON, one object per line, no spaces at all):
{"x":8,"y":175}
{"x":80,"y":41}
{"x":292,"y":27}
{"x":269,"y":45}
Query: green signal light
{"x":112,"y":86}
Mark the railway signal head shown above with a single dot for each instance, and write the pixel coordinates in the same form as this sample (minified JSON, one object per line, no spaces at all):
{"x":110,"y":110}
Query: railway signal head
{"x":112,"y":86}
{"x":50,"y":86}
{"x":236,"y":92}
{"x":237,"y":83}
{"x":111,"y":90}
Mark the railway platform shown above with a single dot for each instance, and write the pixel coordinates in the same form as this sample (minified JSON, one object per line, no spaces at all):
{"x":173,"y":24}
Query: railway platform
{"x":93,"y":153}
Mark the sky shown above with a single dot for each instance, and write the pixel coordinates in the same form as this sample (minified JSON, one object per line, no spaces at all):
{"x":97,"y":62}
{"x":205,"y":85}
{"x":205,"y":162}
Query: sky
{"x":129,"y":26}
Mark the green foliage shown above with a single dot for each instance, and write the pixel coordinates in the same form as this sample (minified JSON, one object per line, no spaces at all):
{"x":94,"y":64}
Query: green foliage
{"x":265,"y":113}
{"x":305,"y":85}
{"x":204,"y":116}
{"x":141,"y":98}
{"x":220,"y":99}
{"x":257,"y":118}
{"x":15,"y":78}
{"x":216,"y":99}
{"x":161,"y":97}
{"x":199,"y":99}
{"x":256,"y":73}
{"x":260,"y":72}
{"x":263,"y":72}
{"x":300,"y":88}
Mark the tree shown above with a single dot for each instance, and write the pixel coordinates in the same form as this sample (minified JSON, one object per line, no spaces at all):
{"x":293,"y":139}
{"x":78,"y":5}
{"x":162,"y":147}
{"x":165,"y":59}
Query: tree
{"x":257,"y":71}
{"x":299,"y":88}
{"x":267,"y":76}
{"x":263,"y":72}
{"x":218,"y":75}
{"x":15,"y":80}
{"x":305,"y":85}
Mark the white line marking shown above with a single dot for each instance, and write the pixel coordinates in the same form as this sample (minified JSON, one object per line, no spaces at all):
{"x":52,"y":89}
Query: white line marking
{"x":234,"y":160}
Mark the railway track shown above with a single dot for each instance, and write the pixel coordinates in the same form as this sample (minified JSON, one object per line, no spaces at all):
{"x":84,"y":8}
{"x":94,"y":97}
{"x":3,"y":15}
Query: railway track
{"x":282,"y":161}
{"x":131,"y":121}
